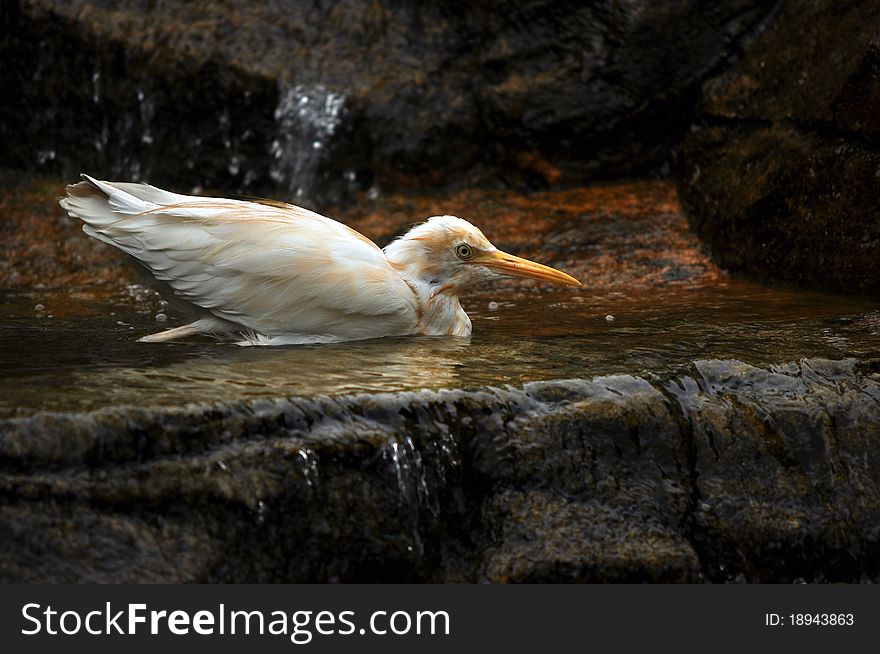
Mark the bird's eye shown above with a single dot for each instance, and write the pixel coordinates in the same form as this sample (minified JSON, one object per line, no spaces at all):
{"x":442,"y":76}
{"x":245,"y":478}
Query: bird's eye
{"x":464,"y":251}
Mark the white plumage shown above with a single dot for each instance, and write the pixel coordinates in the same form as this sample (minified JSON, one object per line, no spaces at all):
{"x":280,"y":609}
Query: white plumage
{"x":280,"y":274}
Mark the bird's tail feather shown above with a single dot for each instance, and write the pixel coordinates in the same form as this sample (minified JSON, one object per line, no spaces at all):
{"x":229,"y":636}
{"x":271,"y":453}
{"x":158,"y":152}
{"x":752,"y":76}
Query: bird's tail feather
{"x":100,"y":204}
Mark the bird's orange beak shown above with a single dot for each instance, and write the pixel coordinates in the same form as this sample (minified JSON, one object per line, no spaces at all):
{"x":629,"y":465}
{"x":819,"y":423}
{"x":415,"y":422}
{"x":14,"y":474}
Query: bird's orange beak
{"x":508,"y":264}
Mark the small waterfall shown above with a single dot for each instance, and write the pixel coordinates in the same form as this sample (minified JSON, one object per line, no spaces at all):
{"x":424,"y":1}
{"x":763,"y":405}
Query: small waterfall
{"x":306,"y":118}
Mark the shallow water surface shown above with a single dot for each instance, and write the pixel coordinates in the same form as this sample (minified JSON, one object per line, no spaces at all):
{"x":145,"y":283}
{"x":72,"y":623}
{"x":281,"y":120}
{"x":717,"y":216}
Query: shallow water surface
{"x":90,"y":359}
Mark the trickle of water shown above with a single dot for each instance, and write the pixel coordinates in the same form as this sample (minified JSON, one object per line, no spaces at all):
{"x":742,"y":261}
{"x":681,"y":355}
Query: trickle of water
{"x":96,"y":87}
{"x":103,"y":139}
{"x":306,"y":119}
{"x":310,"y":466}
{"x":402,"y":468}
{"x":412,"y":484}
{"x":261,"y":512}
{"x":45,"y":155}
{"x":147,"y":108}
{"x":448,"y":456}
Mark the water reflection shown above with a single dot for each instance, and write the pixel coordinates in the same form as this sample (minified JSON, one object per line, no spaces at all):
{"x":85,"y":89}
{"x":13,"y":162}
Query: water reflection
{"x":224,"y":371}
{"x":91,"y":361}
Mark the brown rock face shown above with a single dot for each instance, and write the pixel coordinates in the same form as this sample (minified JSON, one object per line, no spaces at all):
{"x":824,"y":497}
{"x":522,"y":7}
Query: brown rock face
{"x":237,"y":94}
{"x":781,"y":174}
{"x":611,"y":235}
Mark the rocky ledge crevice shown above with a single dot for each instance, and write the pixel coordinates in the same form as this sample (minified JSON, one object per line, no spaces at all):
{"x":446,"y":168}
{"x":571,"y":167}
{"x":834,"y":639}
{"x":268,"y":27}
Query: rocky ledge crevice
{"x":722,"y":472}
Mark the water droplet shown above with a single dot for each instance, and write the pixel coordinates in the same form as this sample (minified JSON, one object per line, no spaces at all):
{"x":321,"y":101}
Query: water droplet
{"x":261,"y":512}
{"x":234,"y":166}
{"x":609,"y":318}
{"x":161,"y":317}
{"x":493,"y":306}
{"x":39,"y":307}
{"x":96,"y":87}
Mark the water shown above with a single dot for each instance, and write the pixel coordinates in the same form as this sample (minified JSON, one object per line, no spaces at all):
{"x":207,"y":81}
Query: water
{"x":307,"y":119}
{"x":88,"y":359}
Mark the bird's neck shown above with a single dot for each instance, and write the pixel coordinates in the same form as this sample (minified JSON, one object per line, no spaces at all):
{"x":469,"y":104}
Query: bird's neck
{"x":440,"y":312}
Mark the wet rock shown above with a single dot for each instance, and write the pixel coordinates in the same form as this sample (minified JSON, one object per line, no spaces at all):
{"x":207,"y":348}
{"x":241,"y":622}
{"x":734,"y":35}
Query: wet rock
{"x":589,"y":489}
{"x":548,"y":538}
{"x":325,"y":97}
{"x":779,"y":173}
{"x":787,"y":464}
{"x":725,"y":472}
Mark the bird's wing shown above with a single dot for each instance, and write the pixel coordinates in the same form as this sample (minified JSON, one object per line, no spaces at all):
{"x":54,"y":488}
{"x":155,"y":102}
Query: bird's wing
{"x":274,"y":269}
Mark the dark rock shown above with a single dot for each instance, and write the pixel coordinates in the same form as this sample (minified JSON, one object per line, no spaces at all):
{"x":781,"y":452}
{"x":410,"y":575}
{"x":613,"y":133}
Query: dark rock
{"x":329,"y":96}
{"x":545,"y":537}
{"x":727,"y":472}
{"x":775,"y":453}
{"x":779,"y":173}
{"x":593,"y":489}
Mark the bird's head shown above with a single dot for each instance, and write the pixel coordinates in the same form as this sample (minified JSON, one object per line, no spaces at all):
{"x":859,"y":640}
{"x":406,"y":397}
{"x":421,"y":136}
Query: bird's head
{"x":449,"y":253}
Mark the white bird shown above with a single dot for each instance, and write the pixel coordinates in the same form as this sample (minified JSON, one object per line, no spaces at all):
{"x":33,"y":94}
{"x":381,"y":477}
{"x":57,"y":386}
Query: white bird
{"x":278,"y":274}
